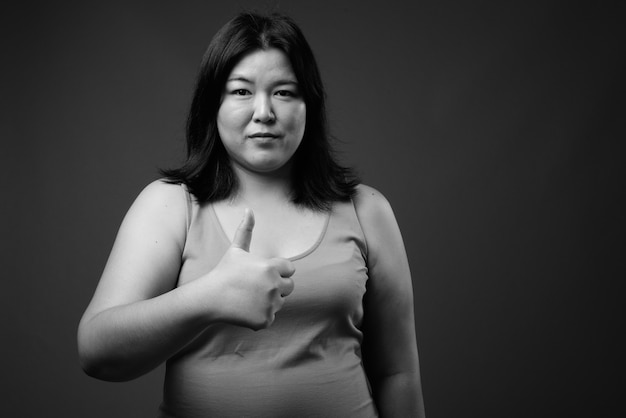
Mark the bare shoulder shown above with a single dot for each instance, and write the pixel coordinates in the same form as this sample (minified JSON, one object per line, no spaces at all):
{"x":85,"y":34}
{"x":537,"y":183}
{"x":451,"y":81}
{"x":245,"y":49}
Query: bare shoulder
{"x":162,"y":206}
{"x":161,"y":193}
{"x":160,"y":196}
{"x":379,"y":225}
{"x":372,"y":206}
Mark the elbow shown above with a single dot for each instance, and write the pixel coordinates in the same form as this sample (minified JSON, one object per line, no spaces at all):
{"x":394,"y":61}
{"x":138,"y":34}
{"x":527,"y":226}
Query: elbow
{"x":96,"y":363}
{"x":92,"y":362}
{"x":92,"y":367}
{"x":101,"y":368}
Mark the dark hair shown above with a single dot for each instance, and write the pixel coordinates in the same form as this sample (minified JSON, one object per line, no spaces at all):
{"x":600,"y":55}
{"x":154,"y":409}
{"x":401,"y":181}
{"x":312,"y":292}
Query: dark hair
{"x":318,"y":179}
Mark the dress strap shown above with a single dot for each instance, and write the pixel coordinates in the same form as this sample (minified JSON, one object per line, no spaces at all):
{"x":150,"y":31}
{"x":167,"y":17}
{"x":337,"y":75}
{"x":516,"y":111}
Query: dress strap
{"x":188,"y":205}
{"x":355,"y":213}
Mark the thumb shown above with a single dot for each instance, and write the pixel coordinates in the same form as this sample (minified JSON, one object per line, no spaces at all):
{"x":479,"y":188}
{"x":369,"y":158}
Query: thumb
{"x":284,"y":267}
{"x":243,"y":235}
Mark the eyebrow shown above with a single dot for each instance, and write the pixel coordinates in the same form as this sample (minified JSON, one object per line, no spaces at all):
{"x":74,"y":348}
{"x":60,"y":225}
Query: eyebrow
{"x":277,"y":82}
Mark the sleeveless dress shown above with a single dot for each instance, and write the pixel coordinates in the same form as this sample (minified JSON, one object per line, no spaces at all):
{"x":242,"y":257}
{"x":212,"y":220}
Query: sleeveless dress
{"x":308,"y":363}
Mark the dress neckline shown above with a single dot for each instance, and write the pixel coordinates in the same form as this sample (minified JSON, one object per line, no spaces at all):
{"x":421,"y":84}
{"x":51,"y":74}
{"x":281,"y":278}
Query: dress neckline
{"x":301,"y":255}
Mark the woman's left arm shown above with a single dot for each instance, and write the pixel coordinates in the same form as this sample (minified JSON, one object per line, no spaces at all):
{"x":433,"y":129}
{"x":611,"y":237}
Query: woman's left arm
{"x":389,"y":345}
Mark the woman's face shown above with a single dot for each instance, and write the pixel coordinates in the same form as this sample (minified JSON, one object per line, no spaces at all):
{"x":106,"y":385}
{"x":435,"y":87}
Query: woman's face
{"x":262,"y":116}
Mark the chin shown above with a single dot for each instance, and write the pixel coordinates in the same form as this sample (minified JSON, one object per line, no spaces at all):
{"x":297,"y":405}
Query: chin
{"x":268,"y":167}
{"x":269,"y":170}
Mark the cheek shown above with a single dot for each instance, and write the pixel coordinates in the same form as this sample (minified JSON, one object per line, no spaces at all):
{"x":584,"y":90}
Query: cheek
{"x":231,"y":117}
{"x":298,"y":120}
{"x":298,"y":128}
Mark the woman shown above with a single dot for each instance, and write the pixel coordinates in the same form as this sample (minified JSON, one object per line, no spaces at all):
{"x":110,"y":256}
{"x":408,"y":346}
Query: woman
{"x":247,"y":268}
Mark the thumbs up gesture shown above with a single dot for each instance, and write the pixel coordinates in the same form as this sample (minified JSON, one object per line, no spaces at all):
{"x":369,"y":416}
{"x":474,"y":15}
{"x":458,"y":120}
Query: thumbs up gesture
{"x":252,"y":288}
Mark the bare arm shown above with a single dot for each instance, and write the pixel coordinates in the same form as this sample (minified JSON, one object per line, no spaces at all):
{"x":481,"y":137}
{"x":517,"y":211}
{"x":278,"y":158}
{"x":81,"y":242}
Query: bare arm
{"x":138,"y":318}
{"x":389,"y":347}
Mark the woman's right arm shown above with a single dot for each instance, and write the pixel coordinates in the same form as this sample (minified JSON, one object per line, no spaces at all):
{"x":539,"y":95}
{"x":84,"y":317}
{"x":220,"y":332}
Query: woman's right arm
{"x":138,"y":318}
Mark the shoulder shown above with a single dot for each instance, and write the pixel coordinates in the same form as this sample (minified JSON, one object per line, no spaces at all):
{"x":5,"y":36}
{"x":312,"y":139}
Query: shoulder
{"x":371,"y":205}
{"x":378,"y":223}
{"x":160,"y":195}
{"x":161,"y":203}
{"x":162,"y":191}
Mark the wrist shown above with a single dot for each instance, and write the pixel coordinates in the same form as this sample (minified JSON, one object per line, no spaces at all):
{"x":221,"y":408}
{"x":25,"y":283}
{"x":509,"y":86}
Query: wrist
{"x":200,"y":301}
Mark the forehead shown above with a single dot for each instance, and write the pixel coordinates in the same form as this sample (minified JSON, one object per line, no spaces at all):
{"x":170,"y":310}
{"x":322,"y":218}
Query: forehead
{"x":263,"y":64}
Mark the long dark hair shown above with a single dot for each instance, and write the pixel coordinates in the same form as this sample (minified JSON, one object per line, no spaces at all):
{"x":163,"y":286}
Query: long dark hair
{"x":318,"y":179}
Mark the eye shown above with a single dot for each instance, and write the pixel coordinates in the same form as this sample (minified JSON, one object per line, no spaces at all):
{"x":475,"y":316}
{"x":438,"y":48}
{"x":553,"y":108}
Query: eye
{"x":240,"y":92}
{"x":286,"y":93}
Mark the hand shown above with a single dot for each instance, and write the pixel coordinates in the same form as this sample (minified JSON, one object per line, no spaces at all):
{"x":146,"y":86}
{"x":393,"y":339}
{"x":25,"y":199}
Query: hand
{"x":251,"y":289}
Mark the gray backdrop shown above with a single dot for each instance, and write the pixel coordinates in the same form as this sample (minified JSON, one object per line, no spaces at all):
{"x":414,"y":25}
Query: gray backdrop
{"x":495,"y":129}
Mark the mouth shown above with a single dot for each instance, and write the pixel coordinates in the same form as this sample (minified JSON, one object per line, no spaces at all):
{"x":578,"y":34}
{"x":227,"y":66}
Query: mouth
{"x":263,"y":135}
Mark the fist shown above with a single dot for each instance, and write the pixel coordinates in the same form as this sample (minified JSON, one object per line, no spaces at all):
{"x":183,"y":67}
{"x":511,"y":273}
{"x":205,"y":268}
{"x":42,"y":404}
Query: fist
{"x":250,"y":289}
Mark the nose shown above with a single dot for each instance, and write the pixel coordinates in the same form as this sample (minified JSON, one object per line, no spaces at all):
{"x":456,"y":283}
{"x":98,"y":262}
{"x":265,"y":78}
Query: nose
{"x":263,"y":111}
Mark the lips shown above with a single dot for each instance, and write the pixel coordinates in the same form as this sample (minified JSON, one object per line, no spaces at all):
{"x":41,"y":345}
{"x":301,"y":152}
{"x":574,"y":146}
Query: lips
{"x":268,"y":135}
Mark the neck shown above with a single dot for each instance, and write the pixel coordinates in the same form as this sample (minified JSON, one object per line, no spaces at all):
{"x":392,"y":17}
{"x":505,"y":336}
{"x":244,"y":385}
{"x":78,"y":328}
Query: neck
{"x":263,"y":187}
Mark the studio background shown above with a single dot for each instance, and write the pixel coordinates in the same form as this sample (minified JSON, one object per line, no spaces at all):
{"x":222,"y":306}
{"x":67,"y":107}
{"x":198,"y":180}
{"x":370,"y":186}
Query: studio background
{"x":494,"y":128}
